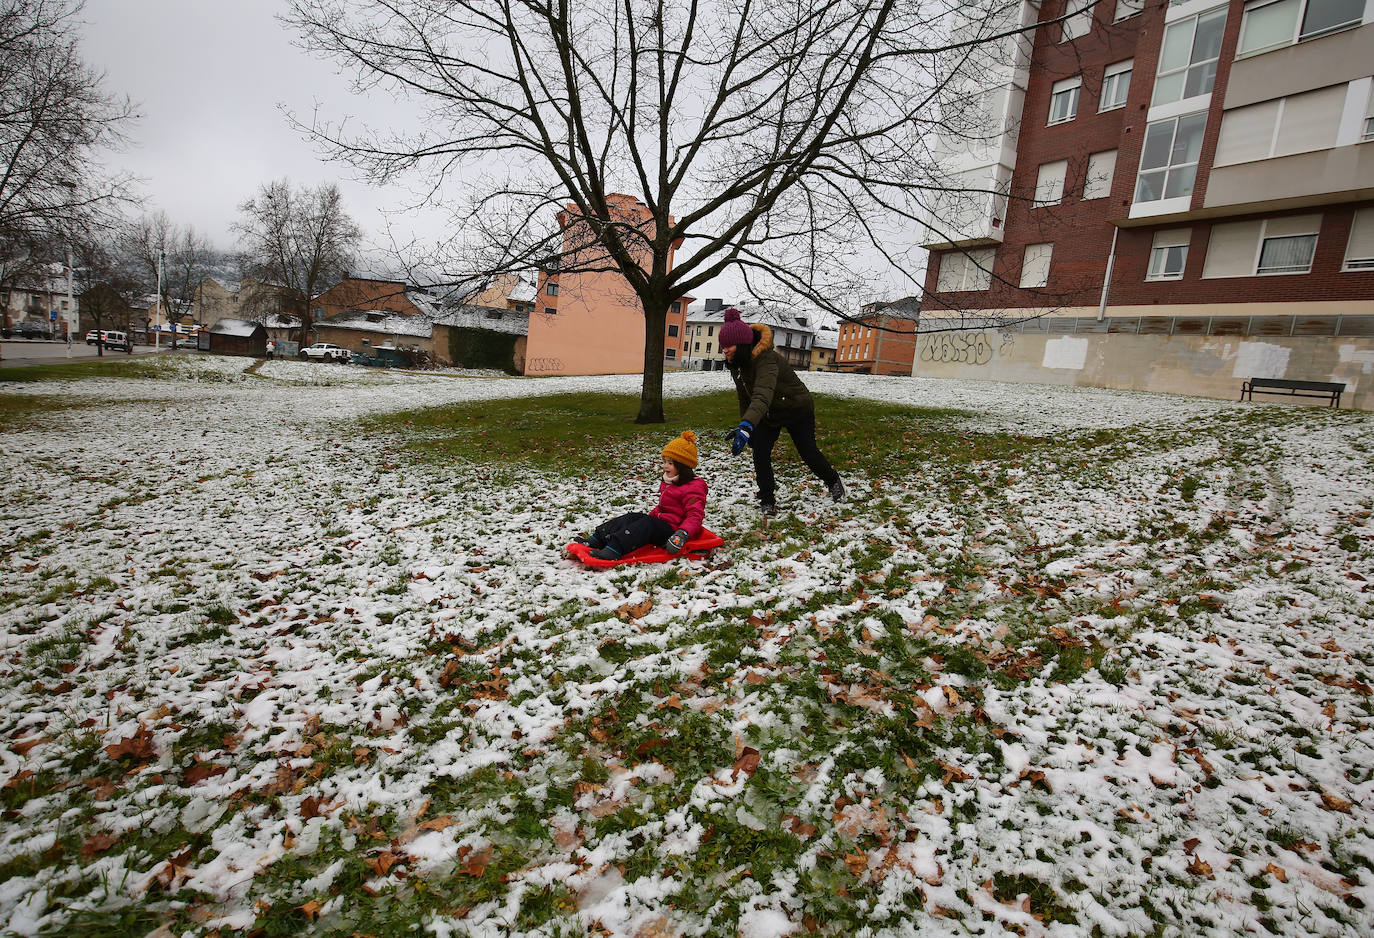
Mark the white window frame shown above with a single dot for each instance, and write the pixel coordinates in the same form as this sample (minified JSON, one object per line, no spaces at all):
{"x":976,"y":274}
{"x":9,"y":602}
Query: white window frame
{"x":551,"y":288}
{"x":1296,"y":36}
{"x":1359,"y":246}
{"x":1044,"y":248}
{"x":1078,"y":19}
{"x":1066,"y":89}
{"x":1049,"y":183}
{"x":1125,"y":9}
{"x":670,"y":352}
{"x":1115,"y":71}
{"x":1170,"y":167}
{"x":975,"y":273}
{"x":1282,"y":272}
{"x":1368,"y":134}
{"x":1184,"y":69}
{"x":1093,"y":186}
{"x":1166,"y":246}
{"x":1286,"y":227}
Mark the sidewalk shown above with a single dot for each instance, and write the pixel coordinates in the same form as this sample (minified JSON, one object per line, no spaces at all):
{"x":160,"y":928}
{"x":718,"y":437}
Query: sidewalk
{"x":17,"y":353}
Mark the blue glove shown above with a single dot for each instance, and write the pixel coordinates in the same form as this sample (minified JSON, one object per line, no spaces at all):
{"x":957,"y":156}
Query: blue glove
{"x":739,"y":437}
{"x":676,"y":542}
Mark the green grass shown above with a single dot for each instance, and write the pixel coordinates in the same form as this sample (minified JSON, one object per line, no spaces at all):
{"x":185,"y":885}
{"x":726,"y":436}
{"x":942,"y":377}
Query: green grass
{"x":581,"y":432}
{"x":120,"y":367}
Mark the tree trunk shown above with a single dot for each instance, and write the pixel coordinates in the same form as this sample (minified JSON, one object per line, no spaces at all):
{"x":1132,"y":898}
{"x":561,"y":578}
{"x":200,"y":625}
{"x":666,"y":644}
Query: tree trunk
{"x":651,"y":392}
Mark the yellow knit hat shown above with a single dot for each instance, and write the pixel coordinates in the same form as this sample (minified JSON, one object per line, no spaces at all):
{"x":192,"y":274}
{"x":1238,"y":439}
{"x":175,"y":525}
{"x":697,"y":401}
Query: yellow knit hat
{"x":683,"y":449}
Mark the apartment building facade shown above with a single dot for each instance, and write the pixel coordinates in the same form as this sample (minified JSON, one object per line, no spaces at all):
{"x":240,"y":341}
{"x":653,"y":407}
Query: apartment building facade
{"x":881,"y":340}
{"x":792,"y":335}
{"x":1180,"y":170}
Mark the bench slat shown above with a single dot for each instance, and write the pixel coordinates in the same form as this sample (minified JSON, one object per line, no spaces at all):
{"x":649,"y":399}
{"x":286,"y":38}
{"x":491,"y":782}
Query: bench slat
{"x":1297,"y":385}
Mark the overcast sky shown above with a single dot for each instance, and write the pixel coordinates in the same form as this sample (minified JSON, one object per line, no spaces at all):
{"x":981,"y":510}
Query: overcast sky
{"x":210,"y":78}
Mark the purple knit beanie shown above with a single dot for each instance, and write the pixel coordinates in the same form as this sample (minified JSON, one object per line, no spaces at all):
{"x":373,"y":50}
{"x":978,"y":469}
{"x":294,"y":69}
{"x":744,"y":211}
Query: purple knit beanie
{"x":735,"y":332}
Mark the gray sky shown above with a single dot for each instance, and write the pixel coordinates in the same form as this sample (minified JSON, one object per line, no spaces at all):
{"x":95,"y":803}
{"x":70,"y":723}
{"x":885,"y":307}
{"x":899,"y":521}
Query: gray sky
{"x":209,"y":78}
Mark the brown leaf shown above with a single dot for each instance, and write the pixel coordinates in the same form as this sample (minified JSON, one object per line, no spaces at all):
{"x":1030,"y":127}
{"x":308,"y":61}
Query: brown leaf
{"x":138,"y":747}
{"x":312,"y":806}
{"x":648,"y":746}
{"x":311,"y":910}
{"x":1200,"y":867}
{"x":797,"y":826}
{"x":747,"y":762}
{"x":477,"y":862}
{"x":673,"y":702}
{"x":1277,"y":872}
{"x":953,"y":773}
{"x":1335,"y":802}
{"x":440,"y":823}
{"x":97,"y":844}
{"x":856,"y":862}
{"x":635,"y":610}
{"x":203,"y":770}
{"x":22,"y":747}
{"x":383,"y":862}
{"x":754,"y":677}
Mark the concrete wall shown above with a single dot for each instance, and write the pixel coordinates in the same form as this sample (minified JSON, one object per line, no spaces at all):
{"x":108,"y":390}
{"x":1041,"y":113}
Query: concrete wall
{"x":1203,"y":365}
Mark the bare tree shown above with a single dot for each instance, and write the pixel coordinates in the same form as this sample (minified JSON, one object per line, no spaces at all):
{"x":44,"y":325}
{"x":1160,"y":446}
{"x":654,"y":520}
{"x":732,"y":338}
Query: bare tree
{"x":297,"y":240}
{"x":162,"y":252}
{"x":54,"y":117}
{"x":772,"y":138}
{"x":106,"y":283}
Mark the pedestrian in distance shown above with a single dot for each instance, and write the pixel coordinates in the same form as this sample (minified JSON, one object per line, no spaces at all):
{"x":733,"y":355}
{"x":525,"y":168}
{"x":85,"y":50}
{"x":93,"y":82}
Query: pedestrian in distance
{"x":771,"y":399}
{"x":271,"y":350}
{"x":672,"y":523}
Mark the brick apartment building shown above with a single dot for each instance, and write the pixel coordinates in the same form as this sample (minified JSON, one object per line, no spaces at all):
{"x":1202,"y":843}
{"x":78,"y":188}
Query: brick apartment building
{"x":1174,"y":168}
{"x":591,"y":322}
{"x":881,"y":340}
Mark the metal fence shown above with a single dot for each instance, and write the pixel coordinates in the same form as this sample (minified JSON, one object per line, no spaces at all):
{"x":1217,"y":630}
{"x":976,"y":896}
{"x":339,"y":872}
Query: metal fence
{"x":1259,"y":326}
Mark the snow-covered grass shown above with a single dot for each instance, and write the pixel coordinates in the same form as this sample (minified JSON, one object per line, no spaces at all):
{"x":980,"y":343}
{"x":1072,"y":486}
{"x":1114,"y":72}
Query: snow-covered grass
{"x":1072,"y":662}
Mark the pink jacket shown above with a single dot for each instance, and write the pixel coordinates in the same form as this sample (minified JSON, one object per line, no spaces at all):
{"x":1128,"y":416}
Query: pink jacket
{"x":682,"y":506}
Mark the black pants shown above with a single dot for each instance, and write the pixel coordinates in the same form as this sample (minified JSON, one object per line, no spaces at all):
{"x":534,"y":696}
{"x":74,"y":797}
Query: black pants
{"x":632,"y":531}
{"x":803,"y":433}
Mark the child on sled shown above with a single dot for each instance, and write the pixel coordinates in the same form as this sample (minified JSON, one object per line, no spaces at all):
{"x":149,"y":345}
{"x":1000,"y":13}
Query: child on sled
{"x":675,"y":521}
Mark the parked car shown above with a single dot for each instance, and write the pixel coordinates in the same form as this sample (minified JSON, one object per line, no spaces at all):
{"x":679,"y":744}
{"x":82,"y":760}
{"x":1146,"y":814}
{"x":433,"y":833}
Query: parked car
{"x":119,"y":341}
{"x":324,"y":352}
{"x":28,"y":329}
{"x":111,"y":337}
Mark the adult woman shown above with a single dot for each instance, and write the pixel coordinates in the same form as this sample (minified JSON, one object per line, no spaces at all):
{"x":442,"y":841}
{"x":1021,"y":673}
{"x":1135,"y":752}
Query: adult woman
{"x":771,"y":399}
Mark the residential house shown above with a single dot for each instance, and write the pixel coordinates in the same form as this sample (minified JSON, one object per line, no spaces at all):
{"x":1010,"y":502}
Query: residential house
{"x":588,"y":322}
{"x":881,"y":340}
{"x":247,"y":299}
{"x":1180,"y":197}
{"x":507,"y":291}
{"x":792,"y":334}
{"x":40,"y":293}
{"x":360,"y":293}
{"x":823,"y":345}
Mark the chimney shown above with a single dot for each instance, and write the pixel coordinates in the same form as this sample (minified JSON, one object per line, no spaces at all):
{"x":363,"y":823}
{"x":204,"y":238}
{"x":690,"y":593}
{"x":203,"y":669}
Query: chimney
{"x":714,"y":306}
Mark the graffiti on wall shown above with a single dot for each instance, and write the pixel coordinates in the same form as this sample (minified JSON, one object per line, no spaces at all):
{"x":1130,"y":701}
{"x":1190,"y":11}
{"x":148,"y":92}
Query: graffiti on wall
{"x":965,"y":348}
{"x":544,"y":364}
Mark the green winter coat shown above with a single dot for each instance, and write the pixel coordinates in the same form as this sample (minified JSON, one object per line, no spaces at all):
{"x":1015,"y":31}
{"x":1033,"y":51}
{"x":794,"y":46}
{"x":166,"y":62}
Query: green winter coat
{"x":767,"y":387}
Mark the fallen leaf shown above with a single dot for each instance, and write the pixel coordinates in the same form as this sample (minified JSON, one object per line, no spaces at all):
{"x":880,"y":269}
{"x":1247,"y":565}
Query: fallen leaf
{"x":953,"y":773}
{"x":1277,"y":872}
{"x":477,"y":862}
{"x":797,"y":826}
{"x":22,"y":747}
{"x":203,"y":770}
{"x":1200,"y":867}
{"x":97,"y":844}
{"x":383,"y":862}
{"x":440,"y":823}
{"x":856,"y":862}
{"x":1335,"y":802}
{"x":747,"y":762}
{"x":138,"y":746}
{"x":635,"y":610}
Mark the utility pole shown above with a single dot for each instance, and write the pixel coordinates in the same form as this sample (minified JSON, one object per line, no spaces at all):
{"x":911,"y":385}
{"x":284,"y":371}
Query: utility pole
{"x":71,"y":306}
{"x":157,"y":305}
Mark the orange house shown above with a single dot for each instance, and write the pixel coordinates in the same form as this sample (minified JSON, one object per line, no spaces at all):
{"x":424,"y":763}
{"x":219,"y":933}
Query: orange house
{"x":591,"y":322}
{"x":882,"y":341}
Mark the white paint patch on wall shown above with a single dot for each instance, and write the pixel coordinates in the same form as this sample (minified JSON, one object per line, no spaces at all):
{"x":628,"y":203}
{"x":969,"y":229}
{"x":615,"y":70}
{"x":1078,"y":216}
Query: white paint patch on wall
{"x":1261,"y":360}
{"x":1069,"y":352}
{"x":1362,"y":357}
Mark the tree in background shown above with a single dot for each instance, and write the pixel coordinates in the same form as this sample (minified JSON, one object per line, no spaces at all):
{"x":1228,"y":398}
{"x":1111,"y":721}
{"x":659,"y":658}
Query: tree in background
{"x":106,"y":283}
{"x":297,"y":241}
{"x":54,"y":117}
{"x":186,"y":258}
{"x":777,"y":141}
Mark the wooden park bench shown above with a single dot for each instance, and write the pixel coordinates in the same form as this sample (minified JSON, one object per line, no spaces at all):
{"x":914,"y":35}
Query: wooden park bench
{"x":1327,"y":389}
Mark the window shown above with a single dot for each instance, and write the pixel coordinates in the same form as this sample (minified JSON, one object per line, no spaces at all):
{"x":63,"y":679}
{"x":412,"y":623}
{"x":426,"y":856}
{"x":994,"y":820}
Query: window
{"x":1359,"y":250}
{"x":710,"y":330}
{"x":367,"y":342}
{"x":1168,"y":254}
{"x":962,"y":271}
{"x":1368,"y":130}
{"x":1262,"y":246}
{"x":1297,"y":124}
{"x":1064,"y":100}
{"x":549,"y":311}
{"x":551,"y":288}
{"x":1078,"y":19}
{"x":1288,"y":254}
{"x":677,"y":306}
{"x":1168,"y":159}
{"x":1035,"y":266}
{"x":1116,"y":85}
{"x":670,"y":353}
{"x":1049,"y":184}
{"x":1188,"y":57}
{"x":697,"y":347}
{"x":1097,"y":183}
{"x":493,"y":314}
{"x":1127,"y":8}
{"x":1271,"y":24}
{"x":672,"y":330}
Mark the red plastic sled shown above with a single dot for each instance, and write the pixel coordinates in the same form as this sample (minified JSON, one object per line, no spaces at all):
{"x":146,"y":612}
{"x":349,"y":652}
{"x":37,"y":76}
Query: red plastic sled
{"x":695,"y":549}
